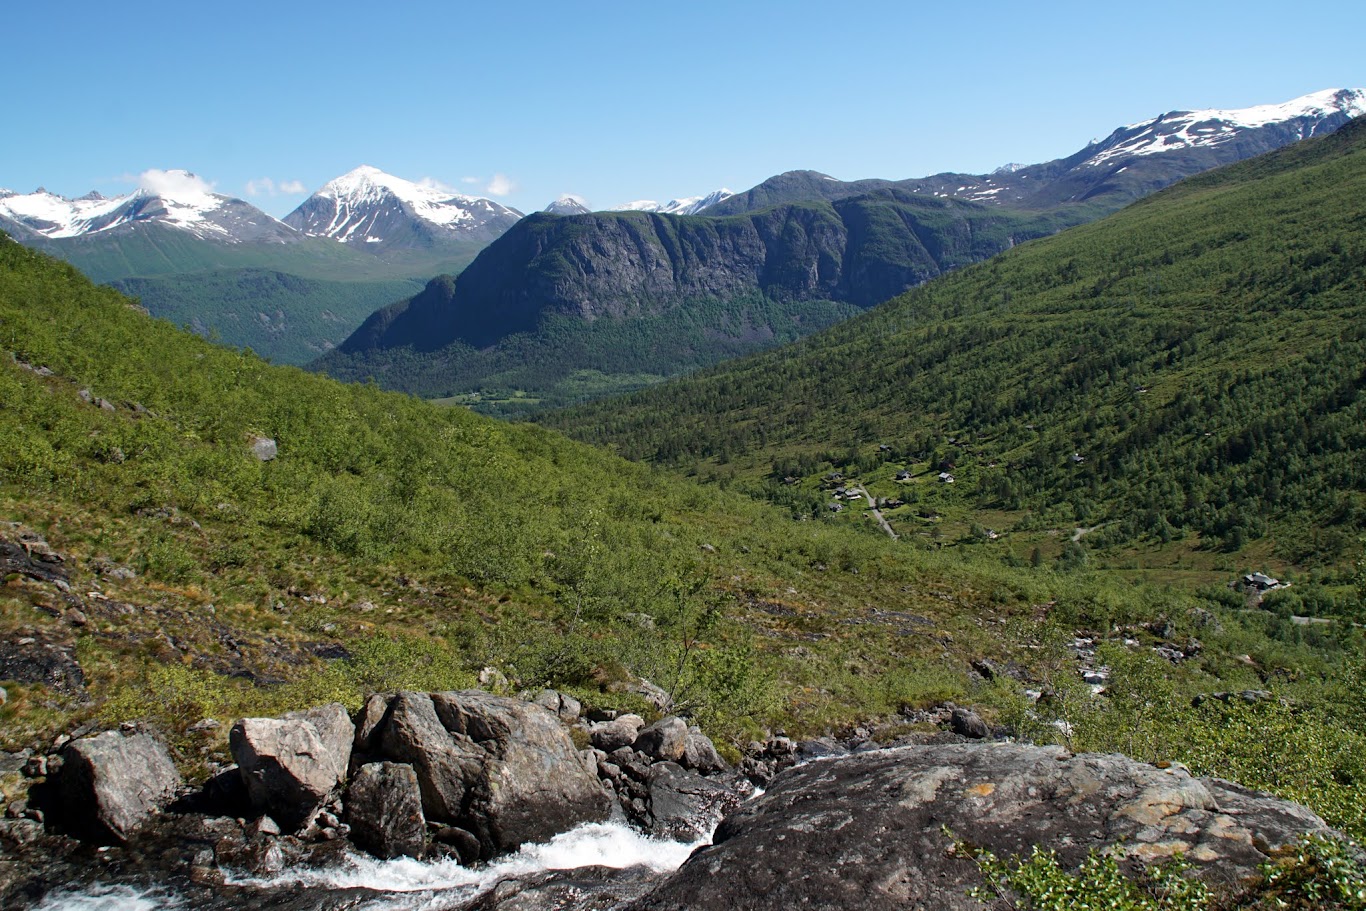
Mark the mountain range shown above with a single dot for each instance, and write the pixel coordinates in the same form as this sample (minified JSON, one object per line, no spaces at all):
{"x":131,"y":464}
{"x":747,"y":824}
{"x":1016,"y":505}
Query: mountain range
{"x":564,"y":286}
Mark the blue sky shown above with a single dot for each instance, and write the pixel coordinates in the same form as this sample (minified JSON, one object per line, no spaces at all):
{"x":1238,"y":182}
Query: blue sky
{"x":617,"y":101}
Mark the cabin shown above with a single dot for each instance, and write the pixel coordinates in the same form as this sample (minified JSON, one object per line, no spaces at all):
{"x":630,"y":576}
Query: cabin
{"x":945,"y":477}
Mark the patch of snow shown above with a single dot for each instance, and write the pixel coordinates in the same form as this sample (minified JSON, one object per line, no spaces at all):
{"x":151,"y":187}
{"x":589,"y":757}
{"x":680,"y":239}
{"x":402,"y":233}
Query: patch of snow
{"x":1187,"y":129}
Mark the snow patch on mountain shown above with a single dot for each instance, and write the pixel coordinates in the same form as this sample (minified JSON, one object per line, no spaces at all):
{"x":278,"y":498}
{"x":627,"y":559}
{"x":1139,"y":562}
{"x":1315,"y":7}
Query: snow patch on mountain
{"x":688,"y":205}
{"x":1193,"y":129}
{"x":361,"y":204}
{"x":177,"y":198}
{"x":568,"y":204}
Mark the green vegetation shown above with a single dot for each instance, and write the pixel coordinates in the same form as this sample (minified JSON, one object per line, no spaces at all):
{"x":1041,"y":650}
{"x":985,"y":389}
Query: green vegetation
{"x":568,"y":359}
{"x":1323,"y":874}
{"x":1179,"y":381}
{"x":283,"y":318}
{"x":395,"y":543}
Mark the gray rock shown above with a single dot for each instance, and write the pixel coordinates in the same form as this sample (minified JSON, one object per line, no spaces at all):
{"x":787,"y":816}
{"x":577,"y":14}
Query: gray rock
{"x":968,"y":724}
{"x":615,"y":734}
{"x":700,"y":755}
{"x":111,"y":785}
{"x":384,"y":810}
{"x":447,"y":766}
{"x":683,"y":805}
{"x":866,"y":831}
{"x":263,"y":448}
{"x":293,"y":765}
{"x":368,"y":723}
{"x":562,"y":704}
{"x":532,"y":785}
{"x":665,"y":740}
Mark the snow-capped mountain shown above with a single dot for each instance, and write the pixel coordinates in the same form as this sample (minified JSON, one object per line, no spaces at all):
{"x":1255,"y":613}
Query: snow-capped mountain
{"x":567,"y":205}
{"x":1297,"y":119}
{"x":689,"y":205}
{"x":175,"y":199}
{"x":1130,"y":163}
{"x":368,"y":206}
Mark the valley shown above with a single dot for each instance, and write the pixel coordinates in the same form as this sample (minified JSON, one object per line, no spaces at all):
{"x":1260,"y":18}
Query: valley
{"x":947,"y":506}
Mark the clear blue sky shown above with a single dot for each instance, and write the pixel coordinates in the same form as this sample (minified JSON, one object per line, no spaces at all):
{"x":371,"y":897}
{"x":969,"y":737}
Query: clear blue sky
{"x":616,"y":101}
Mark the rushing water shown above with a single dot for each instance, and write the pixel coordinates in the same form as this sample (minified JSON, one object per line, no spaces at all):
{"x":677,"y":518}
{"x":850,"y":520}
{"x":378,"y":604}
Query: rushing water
{"x":411,"y":885}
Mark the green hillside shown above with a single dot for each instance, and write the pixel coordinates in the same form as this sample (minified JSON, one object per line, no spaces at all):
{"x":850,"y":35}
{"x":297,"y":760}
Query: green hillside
{"x":284,"y":318}
{"x":391,"y":543}
{"x":1181,"y":380}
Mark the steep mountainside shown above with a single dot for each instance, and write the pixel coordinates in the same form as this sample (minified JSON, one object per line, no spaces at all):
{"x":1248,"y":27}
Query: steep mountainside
{"x":688,"y":205}
{"x":801,"y":236}
{"x":1184,"y":375}
{"x":282,"y":317}
{"x":595,"y":294}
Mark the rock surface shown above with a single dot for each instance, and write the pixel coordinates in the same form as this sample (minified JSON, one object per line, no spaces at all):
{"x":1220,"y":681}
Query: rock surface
{"x":865,"y":831}
{"x":292,"y":765}
{"x":384,"y":810}
{"x":666,"y":739}
{"x":111,"y":784}
{"x":533,"y":784}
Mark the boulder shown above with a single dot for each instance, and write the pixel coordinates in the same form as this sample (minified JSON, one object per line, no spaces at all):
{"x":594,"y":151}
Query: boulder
{"x":562,"y":704}
{"x":532,"y":785}
{"x":263,"y":448}
{"x":384,"y":810}
{"x":368,"y":722}
{"x":615,"y":734}
{"x":866,"y":831}
{"x":447,"y":766}
{"x":111,"y":784}
{"x":683,"y":805}
{"x":700,"y":755}
{"x":292,"y":765}
{"x":664,"y":740}
{"x":968,"y":724}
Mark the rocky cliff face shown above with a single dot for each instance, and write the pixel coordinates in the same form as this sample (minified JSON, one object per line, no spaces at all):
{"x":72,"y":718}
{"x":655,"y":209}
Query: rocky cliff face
{"x":861,"y":250}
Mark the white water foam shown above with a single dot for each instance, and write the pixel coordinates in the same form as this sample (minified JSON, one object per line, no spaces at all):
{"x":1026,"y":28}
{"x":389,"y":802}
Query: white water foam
{"x":109,"y":898}
{"x":435,"y":884}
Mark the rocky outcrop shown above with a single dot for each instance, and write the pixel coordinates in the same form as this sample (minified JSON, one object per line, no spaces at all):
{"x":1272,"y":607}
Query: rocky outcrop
{"x":866,"y":831}
{"x":503,"y":769}
{"x":384,"y":810}
{"x":293,"y":765}
{"x":684,"y":806}
{"x":666,"y":739}
{"x":110,"y":785}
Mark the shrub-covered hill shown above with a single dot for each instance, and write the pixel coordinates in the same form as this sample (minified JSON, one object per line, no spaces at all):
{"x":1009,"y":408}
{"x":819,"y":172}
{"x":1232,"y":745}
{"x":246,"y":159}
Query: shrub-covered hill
{"x":1187,"y":373}
{"x":391,"y":543}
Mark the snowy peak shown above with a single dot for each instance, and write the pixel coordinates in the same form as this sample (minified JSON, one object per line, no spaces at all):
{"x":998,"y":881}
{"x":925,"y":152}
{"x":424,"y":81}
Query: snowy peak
{"x":688,"y":205}
{"x":174,"y":198}
{"x":1303,"y":117}
{"x":367,"y":205}
{"x":568,"y":205}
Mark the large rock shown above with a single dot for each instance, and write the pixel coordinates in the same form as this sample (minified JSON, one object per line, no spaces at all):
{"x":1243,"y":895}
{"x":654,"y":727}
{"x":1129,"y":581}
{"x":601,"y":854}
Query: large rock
{"x":866,"y":831}
{"x":111,"y":784}
{"x":293,"y":765}
{"x":615,"y":734}
{"x":683,"y":805}
{"x":700,"y":754}
{"x":447,"y":766}
{"x":384,"y":810}
{"x":665,"y":740}
{"x":532,"y":784}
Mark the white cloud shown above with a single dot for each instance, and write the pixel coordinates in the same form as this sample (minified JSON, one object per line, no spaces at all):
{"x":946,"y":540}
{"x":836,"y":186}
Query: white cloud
{"x":264,"y":186}
{"x":469,"y":180}
{"x":433,"y":184}
{"x":500,"y":185}
{"x":174,"y":184}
